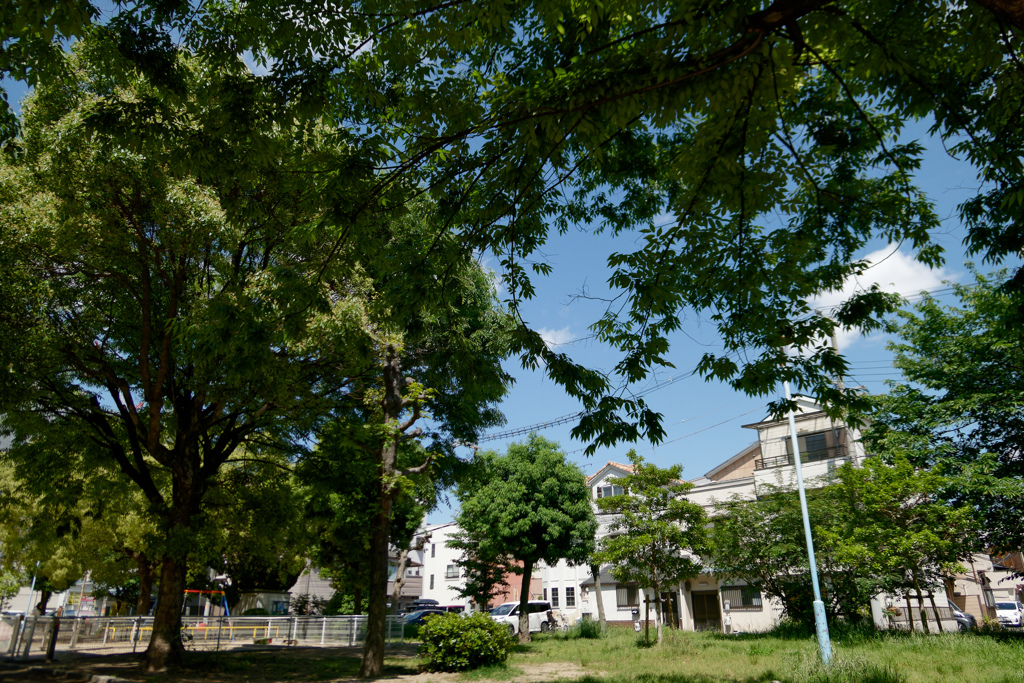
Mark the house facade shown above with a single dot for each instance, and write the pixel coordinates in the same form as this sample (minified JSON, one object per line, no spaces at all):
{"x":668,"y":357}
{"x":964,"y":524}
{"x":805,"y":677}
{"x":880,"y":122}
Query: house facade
{"x":442,"y":578}
{"x":705,"y":602}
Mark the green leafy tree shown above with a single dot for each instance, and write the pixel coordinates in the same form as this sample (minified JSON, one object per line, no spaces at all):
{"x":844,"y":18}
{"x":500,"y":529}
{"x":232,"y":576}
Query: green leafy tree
{"x":260,"y":537}
{"x":10,"y":584}
{"x":762,"y":542}
{"x":960,"y":412}
{"x":67,"y":509}
{"x":657,"y":537}
{"x":719,"y":116}
{"x":891,"y":526}
{"x":528,"y":505}
{"x":171,"y":309}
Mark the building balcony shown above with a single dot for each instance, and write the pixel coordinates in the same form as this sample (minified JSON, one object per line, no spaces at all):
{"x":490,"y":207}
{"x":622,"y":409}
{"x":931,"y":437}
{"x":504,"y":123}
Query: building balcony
{"x":815,"y":455}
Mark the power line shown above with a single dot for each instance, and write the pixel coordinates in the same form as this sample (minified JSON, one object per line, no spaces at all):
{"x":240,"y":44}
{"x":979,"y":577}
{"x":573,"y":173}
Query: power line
{"x":860,"y":365}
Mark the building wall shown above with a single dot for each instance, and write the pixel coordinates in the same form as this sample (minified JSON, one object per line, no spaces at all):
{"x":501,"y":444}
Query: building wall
{"x":441,"y":577}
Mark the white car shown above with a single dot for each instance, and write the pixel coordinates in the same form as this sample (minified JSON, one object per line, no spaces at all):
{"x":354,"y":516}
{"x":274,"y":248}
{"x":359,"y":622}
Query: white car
{"x":1010,"y":613}
{"x":508,"y":613}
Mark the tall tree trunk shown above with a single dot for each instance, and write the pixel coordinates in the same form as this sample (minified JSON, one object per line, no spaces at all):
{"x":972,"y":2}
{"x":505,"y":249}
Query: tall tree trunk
{"x":596,"y":571}
{"x":935,"y":609}
{"x":380,"y":531}
{"x":146,"y":572}
{"x":165,"y":646}
{"x":524,"y":602}
{"x":920,"y":604}
{"x":657,"y":612}
{"x":910,"y":613}
{"x":44,"y":600}
{"x":376,"y":622}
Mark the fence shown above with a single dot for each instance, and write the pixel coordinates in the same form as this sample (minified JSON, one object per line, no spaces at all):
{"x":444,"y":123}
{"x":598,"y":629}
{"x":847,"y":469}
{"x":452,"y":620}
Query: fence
{"x":899,"y":616}
{"x":33,"y":636}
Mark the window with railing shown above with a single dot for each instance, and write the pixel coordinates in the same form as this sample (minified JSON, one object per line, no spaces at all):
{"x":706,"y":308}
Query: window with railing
{"x":741,"y":597}
{"x":814,"y":447}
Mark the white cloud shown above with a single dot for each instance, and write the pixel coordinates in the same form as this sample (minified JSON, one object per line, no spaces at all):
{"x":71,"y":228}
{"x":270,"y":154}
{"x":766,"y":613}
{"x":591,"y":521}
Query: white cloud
{"x":555,"y":338}
{"x":893,"y":271}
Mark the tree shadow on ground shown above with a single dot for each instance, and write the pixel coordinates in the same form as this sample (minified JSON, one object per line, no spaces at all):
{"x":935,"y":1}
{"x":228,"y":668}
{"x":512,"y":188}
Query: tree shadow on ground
{"x":253,"y":664}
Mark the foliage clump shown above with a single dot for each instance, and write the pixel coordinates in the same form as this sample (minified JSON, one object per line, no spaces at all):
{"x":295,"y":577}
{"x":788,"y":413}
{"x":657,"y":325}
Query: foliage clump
{"x":452,"y":642}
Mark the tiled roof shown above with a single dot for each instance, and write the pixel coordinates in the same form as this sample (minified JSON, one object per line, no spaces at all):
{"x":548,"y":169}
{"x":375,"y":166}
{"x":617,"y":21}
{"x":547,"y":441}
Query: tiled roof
{"x":628,"y":469}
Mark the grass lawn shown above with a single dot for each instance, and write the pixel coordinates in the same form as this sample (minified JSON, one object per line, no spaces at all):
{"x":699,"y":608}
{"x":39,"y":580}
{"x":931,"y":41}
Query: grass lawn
{"x":687,"y":657}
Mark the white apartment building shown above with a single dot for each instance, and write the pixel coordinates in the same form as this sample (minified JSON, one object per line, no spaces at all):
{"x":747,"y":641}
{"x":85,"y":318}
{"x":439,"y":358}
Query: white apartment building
{"x":440,"y":575}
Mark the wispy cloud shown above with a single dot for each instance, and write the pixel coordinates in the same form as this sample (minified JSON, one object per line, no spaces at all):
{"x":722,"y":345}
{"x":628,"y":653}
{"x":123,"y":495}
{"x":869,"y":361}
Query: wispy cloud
{"x":556,"y":338}
{"x":893,"y":271}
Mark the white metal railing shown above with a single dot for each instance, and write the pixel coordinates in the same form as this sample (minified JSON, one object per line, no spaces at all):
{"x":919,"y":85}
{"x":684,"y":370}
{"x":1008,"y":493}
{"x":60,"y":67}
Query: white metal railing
{"x":32,"y":636}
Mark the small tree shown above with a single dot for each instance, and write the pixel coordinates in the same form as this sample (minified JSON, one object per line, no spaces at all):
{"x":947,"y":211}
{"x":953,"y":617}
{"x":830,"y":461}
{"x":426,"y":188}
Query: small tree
{"x":896,"y":529}
{"x":658,"y":535}
{"x":530,"y":505}
{"x":762,"y":542}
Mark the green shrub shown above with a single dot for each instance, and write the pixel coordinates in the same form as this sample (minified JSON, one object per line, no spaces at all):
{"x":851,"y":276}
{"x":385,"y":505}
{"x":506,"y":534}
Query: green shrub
{"x":452,"y":642}
{"x":256,"y":612}
{"x":588,"y":629}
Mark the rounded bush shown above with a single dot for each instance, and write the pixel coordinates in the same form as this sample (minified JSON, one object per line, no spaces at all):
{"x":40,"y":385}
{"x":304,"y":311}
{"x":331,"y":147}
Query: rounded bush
{"x":452,"y":642}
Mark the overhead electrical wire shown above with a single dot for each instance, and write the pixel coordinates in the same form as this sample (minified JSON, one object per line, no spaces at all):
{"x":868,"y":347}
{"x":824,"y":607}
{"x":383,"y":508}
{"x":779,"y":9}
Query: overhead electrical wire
{"x":570,"y":417}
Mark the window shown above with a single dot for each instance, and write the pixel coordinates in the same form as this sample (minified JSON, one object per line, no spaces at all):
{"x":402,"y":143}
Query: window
{"x":812,"y":446}
{"x":741,"y":597}
{"x":609,"y":490}
{"x":431,"y":581}
{"x":570,"y":597}
{"x":452,"y":572}
{"x":545,"y":593}
{"x":554,"y":597}
{"x":433,"y":549}
{"x":627,"y":596}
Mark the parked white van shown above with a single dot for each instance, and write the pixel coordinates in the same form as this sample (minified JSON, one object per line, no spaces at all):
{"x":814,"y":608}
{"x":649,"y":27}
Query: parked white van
{"x":508,"y":613}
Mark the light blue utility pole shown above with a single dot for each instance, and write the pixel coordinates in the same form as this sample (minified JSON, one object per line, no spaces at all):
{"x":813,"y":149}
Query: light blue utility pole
{"x":820,"y":623}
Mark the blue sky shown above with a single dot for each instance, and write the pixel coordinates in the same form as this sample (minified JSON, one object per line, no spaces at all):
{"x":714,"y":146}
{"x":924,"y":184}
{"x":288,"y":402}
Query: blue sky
{"x":703,"y":420}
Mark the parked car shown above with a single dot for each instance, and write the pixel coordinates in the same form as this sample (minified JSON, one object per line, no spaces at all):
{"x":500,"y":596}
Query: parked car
{"x":965,"y":621}
{"x":540,"y":618}
{"x":418,"y":618}
{"x":423,"y":603}
{"x":1010,"y":613}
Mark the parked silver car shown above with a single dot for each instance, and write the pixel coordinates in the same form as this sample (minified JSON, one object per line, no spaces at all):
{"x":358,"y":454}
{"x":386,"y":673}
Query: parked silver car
{"x":965,"y":621}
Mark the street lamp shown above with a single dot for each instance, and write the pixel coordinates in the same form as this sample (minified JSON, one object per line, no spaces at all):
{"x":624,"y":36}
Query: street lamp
{"x":820,"y":624}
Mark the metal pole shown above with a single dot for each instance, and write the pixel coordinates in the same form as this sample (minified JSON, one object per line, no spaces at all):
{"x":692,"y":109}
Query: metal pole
{"x":28,"y":610}
{"x":820,"y":623}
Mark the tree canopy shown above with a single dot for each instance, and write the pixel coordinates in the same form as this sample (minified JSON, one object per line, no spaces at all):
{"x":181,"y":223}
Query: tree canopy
{"x":959,"y":410}
{"x":750,"y":149}
{"x":188,"y":293}
{"x":762,"y":542}
{"x":529,"y":505}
